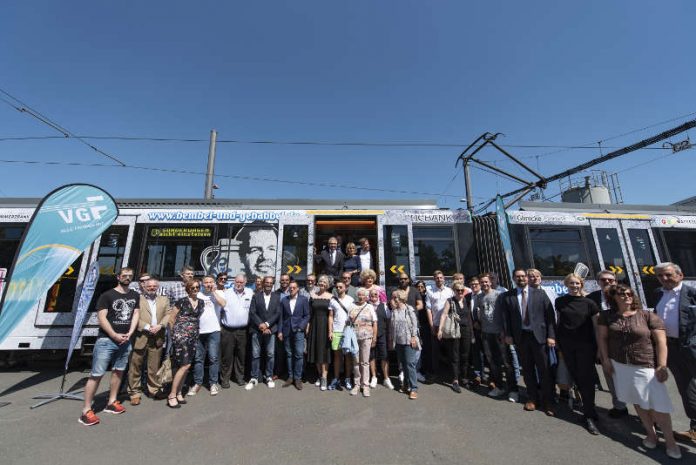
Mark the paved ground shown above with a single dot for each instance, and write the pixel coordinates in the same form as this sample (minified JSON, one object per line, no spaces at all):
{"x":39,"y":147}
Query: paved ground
{"x":285,"y":426}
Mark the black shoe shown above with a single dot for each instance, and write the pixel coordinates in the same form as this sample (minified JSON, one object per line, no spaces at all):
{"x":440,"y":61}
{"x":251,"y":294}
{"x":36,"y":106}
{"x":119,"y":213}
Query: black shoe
{"x":591,"y":427}
{"x":225,"y":385}
{"x":456,"y":388}
{"x":171,"y":404}
{"x":618,"y":413}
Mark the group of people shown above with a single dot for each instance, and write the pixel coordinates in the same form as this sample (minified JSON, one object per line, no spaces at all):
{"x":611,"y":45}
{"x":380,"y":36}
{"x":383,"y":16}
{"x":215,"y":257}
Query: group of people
{"x":446,"y":333}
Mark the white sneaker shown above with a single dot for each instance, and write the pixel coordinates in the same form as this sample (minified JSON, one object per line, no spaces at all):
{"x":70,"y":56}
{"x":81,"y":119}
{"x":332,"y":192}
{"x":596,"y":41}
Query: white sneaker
{"x":388,"y":384}
{"x":366,"y":392}
{"x":355,"y":390}
{"x":251,"y":384}
{"x":514,"y":397}
{"x":214,"y":389}
{"x":317,"y":383}
{"x":270,"y":383}
{"x":496,"y":392}
{"x":373,"y":382}
{"x":194,"y":390}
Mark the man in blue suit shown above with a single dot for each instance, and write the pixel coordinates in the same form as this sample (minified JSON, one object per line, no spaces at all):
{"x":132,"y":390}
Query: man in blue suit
{"x":676,"y":305}
{"x":294,"y":320}
{"x":264,"y":317}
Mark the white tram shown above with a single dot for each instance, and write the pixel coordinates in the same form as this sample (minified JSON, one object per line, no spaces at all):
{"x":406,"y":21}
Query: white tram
{"x":274,"y":237}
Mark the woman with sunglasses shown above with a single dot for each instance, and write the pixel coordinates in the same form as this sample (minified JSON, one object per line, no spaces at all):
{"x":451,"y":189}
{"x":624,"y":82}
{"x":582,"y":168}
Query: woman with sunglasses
{"x":633,"y":349}
{"x":184,"y":319}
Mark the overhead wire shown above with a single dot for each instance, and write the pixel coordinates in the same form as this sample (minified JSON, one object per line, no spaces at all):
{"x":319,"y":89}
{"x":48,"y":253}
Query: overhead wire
{"x":24,"y":108}
{"x":230,"y":176}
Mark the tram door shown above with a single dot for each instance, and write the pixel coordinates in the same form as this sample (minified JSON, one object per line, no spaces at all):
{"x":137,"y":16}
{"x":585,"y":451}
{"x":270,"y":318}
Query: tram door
{"x":348,"y":229}
{"x":627,"y":247}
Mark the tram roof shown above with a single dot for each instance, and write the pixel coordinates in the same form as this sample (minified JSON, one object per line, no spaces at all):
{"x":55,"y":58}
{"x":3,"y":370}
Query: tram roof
{"x":606,"y":208}
{"x":252,"y":204}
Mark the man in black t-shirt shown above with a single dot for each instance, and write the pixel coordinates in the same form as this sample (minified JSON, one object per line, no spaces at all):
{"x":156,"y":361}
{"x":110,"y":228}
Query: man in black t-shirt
{"x":118,"y":314}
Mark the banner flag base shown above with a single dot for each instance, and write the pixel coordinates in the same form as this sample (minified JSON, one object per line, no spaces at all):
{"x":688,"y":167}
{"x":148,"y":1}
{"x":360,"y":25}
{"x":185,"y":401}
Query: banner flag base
{"x":72,"y":395}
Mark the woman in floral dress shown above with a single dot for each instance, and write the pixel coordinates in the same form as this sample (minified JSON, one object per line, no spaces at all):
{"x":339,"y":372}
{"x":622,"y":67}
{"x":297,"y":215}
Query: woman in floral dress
{"x":185,"y":315}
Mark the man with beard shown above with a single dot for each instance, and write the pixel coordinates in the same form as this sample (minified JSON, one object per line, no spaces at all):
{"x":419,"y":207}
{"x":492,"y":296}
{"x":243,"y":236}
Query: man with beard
{"x":118,"y":313}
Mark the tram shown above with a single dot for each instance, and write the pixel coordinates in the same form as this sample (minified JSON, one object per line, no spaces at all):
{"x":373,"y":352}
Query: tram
{"x":261,"y":237}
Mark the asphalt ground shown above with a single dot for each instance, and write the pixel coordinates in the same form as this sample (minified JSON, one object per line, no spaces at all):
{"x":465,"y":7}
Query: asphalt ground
{"x":286,"y":426}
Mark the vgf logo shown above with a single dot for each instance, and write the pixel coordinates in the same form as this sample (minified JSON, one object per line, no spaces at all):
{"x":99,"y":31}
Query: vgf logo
{"x":84,"y":214}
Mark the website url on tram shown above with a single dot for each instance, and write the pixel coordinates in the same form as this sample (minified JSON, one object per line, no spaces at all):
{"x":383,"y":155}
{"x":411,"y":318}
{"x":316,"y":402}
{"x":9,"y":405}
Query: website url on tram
{"x":213,"y":216}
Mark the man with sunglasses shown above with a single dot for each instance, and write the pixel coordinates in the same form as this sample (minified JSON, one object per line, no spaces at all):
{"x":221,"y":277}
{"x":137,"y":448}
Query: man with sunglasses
{"x":221,"y":281}
{"x":676,"y":305}
{"x":606,"y":279}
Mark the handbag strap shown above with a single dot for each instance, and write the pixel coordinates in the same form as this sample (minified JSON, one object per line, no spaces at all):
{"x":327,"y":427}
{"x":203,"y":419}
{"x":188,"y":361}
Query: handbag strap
{"x":341,"y":304}
{"x":352,"y":320}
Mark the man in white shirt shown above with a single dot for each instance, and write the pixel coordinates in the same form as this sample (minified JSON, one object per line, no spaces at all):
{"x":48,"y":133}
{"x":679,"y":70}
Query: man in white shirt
{"x":676,"y":305}
{"x":367,"y":261}
{"x":436,"y":302}
{"x":208,"y":337}
{"x":234,"y":321}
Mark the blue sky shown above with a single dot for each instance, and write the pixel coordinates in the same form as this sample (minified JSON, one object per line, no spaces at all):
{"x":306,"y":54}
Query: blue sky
{"x":438,"y":72}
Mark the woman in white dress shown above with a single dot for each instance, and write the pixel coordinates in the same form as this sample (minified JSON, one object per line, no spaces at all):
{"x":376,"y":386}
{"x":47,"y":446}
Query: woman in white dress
{"x":632,"y":342}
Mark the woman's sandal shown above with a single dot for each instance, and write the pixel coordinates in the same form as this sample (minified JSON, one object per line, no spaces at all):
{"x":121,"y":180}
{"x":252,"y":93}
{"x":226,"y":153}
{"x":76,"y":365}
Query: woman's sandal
{"x":169,"y":404}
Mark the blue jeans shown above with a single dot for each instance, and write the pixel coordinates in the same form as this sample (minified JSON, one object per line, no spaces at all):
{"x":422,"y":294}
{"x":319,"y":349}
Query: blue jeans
{"x":294,"y":348}
{"x":268,"y":340}
{"x":514,"y":359}
{"x":408,"y":358}
{"x":210,"y":344}
{"x":106,"y":352}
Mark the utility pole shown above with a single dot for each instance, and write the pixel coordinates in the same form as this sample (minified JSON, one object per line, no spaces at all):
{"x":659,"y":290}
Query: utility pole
{"x":208,"y":194}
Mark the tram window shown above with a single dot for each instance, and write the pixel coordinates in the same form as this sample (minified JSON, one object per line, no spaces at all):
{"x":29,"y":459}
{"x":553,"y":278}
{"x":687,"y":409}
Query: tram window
{"x":556,"y":251}
{"x":61,"y":295}
{"x":295,"y":251}
{"x":681,"y":246}
{"x":169,"y":248}
{"x":395,"y":253}
{"x":9,"y":242}
{"x":642,"y":248}
{"x":110,"y":258}
{"x":434,"y":249}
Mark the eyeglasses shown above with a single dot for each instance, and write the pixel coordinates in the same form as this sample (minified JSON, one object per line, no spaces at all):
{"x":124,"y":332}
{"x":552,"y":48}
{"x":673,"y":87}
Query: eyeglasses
{"x":461,"y":290}
{"x":609,"y":280}
{"x":625,"y":294}
{"x":222,"y":278}
{"x":195,"y":288}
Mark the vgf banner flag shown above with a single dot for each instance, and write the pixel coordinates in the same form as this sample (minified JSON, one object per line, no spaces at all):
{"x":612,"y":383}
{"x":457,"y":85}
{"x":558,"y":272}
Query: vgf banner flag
{"x":64,"y":224}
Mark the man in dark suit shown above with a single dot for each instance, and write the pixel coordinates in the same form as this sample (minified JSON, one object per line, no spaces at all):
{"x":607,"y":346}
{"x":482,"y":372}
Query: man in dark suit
{"x":294,"y":320}
{"x":330,"y":261}
{"x":676,"y":305}
{"x":264,"y":316}
{"x":529,"y":322}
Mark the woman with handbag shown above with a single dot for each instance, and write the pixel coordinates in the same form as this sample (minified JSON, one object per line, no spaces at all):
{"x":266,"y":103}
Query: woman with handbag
{"x":449,"y":332}
{"x":633,"y":350}
{"x":184,"y":320}
{"x":405,"y":340}
{"x":364,"y":321}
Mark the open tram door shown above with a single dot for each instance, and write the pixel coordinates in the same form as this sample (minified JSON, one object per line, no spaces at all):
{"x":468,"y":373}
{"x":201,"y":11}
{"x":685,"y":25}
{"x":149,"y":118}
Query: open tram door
{"x":348,"y":229}
{"x":627,"y":247}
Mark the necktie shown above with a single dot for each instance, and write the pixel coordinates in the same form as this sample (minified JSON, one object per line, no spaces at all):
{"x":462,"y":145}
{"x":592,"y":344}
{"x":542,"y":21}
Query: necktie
{"x":525,"y":314}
